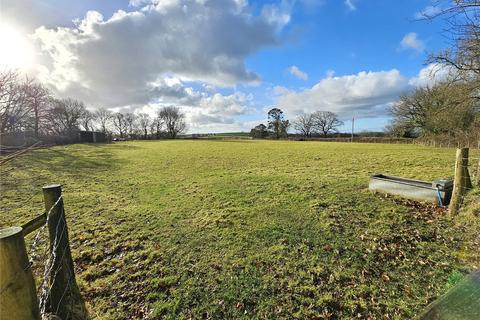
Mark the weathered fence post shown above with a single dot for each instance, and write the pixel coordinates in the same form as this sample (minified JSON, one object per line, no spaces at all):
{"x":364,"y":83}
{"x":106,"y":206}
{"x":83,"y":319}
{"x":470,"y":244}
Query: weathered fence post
{"x":64,"y":299}
{"x":18,"y":295}
{"x":476,"y":176}
{"x":461,"y":181}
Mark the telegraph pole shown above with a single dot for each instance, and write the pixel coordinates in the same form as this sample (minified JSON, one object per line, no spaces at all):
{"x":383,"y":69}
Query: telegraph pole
{"x":353,"y":126}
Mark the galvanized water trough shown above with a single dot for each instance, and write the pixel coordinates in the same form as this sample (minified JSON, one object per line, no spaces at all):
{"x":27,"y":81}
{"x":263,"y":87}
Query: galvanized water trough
{"x":438,"y":192}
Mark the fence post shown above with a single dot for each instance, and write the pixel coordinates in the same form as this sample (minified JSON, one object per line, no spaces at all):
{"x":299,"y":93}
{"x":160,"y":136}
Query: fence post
{"x":461,"y":181}
{"x":477,"y":177}
{"x":64,"y":298}
{"x":18,"y":295}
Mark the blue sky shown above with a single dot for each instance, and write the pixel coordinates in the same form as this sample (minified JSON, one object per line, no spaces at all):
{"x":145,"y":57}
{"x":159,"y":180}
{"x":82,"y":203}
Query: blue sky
{"x":226,"y":62}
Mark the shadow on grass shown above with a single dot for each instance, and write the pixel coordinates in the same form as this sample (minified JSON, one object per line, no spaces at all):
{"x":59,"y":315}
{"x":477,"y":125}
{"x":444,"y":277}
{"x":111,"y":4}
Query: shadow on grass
{"x":85,"y":161}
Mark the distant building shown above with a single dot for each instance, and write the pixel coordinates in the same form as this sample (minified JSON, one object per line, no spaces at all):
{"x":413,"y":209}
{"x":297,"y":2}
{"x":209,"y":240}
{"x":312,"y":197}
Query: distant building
{"x":91,"y":136}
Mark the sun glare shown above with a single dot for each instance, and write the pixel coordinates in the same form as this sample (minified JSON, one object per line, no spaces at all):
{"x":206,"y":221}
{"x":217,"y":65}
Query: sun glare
{"x":16,"y":52}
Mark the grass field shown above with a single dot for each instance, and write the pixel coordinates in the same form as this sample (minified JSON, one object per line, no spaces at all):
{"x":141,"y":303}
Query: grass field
{"x":247,"y":229}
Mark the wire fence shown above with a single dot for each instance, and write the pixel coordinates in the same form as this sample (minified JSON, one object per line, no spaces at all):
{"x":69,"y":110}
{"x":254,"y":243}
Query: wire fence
{"x":49,"y":260}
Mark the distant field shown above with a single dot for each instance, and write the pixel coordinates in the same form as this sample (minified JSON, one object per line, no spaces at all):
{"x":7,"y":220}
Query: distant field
{"x":246,"y":229}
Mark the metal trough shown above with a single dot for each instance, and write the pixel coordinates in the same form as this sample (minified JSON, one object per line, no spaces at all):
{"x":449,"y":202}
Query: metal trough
{"x":440,"y":189}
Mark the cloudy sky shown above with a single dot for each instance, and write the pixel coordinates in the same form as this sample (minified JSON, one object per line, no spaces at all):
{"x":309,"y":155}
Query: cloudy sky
{"x":225,"y":62}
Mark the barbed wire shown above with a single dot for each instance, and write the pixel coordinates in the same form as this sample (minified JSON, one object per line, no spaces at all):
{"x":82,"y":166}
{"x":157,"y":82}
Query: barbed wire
{"x":34,"y":244}
{"x":45,"y":288}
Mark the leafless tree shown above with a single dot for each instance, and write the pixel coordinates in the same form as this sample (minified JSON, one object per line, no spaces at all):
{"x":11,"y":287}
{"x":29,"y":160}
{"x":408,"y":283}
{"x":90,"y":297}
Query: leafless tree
{"x":14,"y":112}
{"x":157,"y":125}
{"x":144,"y":122}
{"x":130,"y":121}
{"x":174,"y":121}
{"x":103,"y":116}
{"x":304,"y":123}
{"x":87,"y":119}
{"x":326,"y":122}
{"x":37,"y":100}
{"x":65,"y":115}
{"x":120,"y":123}
{"x":462,"y":18}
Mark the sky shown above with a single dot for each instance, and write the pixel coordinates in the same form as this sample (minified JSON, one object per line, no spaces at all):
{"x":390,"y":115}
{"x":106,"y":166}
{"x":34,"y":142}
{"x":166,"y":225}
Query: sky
{"x":225,"y":63}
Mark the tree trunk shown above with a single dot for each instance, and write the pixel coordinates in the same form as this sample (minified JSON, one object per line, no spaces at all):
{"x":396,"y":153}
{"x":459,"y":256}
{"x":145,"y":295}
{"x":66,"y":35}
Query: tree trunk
{"x":35,"y":109}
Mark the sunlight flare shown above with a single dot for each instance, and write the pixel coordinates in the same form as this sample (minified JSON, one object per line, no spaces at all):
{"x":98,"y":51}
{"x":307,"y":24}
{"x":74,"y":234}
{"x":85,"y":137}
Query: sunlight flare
{"x":16,"y":51}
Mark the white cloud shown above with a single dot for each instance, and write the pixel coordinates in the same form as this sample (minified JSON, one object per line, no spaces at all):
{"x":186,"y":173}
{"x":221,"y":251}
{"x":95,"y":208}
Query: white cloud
{"x":428,"y":12}
{"x":351,"y":5}
{"x":218,"y":109}
{"x":411,"y":41}
{"x":295,"y":71}
{"x":432,"y":74}
{"x":366,"y":94}
{"x":125,"y":59}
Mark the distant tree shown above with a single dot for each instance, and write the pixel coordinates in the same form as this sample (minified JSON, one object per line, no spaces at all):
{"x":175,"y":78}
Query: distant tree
{"x":86,"y":120}
{"x":277,"y":123}
{"x":173,"y":120}
{"x":65,"y":115}
{"x":326,"y":122}
{"x":259,"y":132}
{"x":130,"y":122}
{"x":103,"y":116}
{"x":15,"y":113}
{"x":158,"y":125}
{"x":144,"y":122}
{"x":305,"y":124}
{"x":37,"y":99}
{"x":401,"y":130}
{"x":120,"y":124}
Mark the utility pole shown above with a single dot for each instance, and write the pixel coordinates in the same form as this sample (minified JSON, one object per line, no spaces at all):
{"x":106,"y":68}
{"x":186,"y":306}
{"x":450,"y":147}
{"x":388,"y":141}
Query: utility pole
{"x":353,"y":126}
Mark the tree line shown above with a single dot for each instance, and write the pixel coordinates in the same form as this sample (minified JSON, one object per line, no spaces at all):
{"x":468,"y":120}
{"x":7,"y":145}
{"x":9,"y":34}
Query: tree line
{"x":28,"y":106}
{"x":307,"y":124}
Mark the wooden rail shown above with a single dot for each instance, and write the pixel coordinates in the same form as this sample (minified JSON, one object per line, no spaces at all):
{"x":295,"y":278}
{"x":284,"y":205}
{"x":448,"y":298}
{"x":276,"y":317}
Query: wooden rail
{"x":60,"y":295}
{"x":20,"y":152}
{"x":34,"y":224}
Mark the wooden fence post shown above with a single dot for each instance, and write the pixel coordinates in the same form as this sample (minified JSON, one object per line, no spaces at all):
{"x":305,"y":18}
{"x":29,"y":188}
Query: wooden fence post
{"x":64,"y":299}
{"x":18,"y":295}
{"x":461,"y":181}
{"x":476,"y":175}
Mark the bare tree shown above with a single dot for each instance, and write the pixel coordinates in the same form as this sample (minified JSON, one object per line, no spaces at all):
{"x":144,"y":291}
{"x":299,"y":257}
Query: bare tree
{"x":120,"y":123}
{"x":86,"y":120}
{"x":103,"y":116}
{"x":65,"y":115}
{"x":144,"y":121}
{"x":130,"y":121}
{"x":158,"y":125}
{"x":37,"y":99}
{"x":14,"y":111}
{"x":304,"y":123}
{"x":174,"y":121}
{"x":326,"y":122}
{"x":462,"y":18}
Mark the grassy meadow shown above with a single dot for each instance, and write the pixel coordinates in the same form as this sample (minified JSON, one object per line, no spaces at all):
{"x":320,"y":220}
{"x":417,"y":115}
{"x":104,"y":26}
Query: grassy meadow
{"x":247,"y":229}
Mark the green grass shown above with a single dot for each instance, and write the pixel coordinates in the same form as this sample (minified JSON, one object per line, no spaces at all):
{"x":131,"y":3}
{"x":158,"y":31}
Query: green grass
{"x":247,"y":229}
